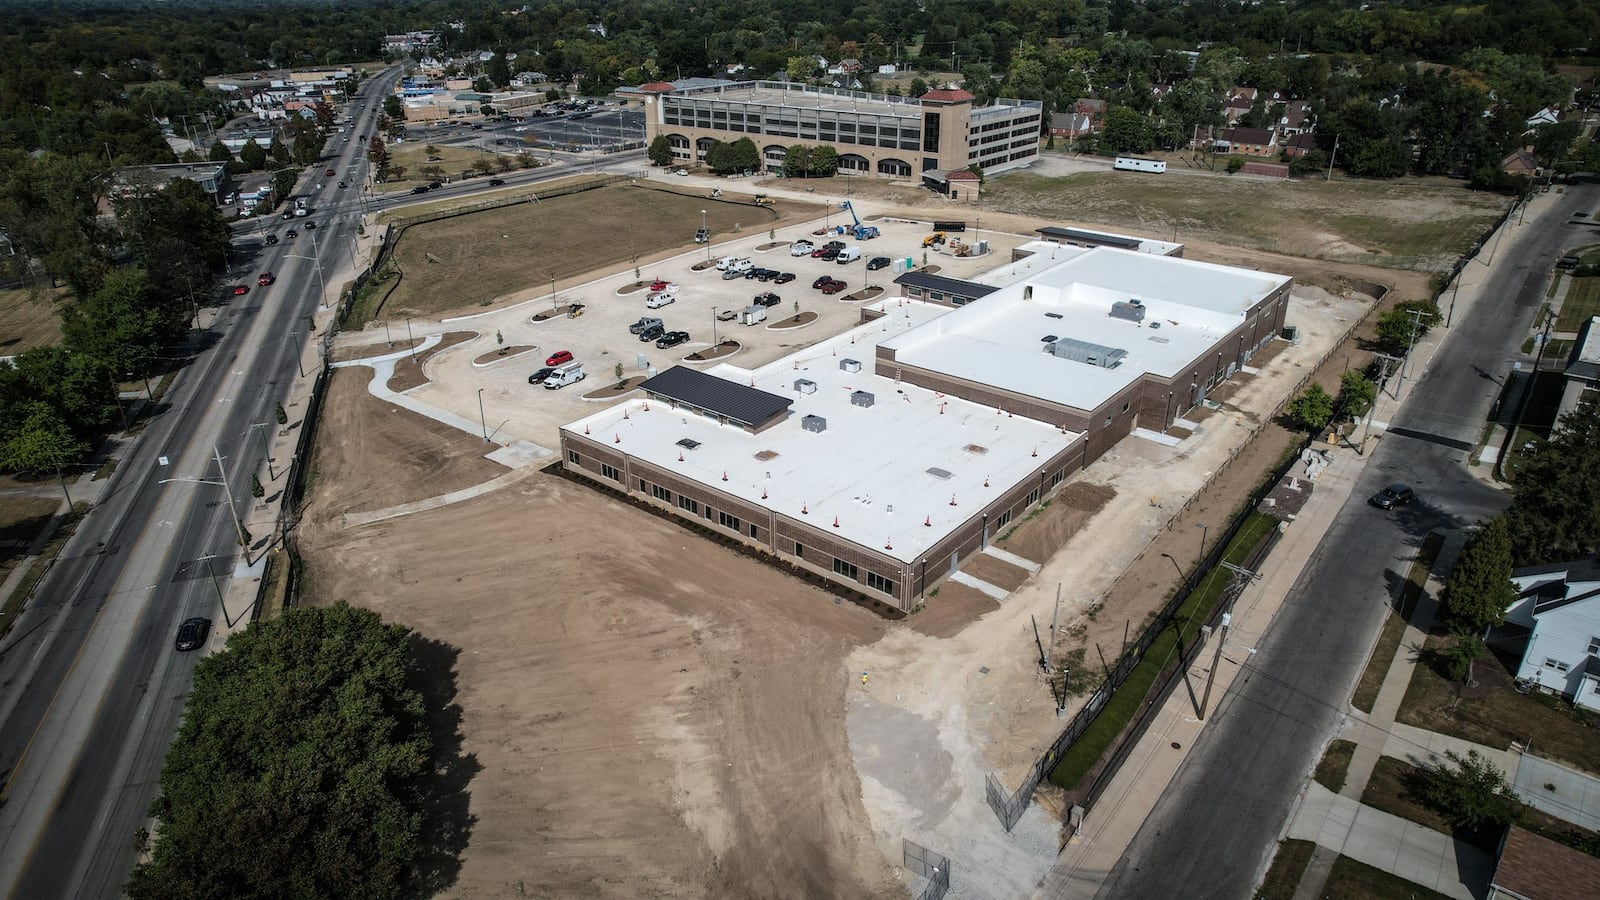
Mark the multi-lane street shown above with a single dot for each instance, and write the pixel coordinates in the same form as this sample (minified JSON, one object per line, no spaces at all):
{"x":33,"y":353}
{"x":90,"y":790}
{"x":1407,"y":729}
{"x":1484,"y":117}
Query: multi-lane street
{"x":1215,"y":826}
{"x":91,"y":687}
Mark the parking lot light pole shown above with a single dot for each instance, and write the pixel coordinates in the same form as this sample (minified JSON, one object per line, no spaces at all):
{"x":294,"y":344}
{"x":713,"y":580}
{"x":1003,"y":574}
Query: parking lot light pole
{"x":482,"y":418}
{"x":713,"y":328}
{"x":708,"y":234}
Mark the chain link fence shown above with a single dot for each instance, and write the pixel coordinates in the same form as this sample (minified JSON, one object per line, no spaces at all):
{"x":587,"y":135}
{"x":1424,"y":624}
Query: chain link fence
{"x":928,"y":864}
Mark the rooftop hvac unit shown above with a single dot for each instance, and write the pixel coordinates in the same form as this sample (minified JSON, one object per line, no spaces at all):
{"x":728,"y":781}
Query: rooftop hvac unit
{"x":850,"y":365}
{"x":1132,"y":310}
{"x":862,"y":399}
{"x":814,"y":424}
{"x":805,"y":386}
{"x":1085,"y":352}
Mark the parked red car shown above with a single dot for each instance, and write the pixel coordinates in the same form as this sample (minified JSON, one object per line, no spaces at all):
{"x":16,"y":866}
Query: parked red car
{"x":833,"y":287}
{"x":559,"y":357}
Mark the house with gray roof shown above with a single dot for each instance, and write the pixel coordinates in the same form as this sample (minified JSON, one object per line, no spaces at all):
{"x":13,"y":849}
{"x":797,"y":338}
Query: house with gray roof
{"x":1559,"y":606}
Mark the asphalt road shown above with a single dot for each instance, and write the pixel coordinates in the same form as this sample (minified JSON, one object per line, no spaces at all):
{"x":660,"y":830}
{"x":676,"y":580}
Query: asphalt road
{"x":91,"y":689}
{"x":1215,"y":828}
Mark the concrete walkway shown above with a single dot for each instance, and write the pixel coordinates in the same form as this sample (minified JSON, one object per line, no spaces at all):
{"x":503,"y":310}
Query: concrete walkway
{"x":1565,"y":793}
{"x":1413,"y":852}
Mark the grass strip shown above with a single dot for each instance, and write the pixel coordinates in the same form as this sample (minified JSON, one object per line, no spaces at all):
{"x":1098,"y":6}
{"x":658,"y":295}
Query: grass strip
{"x":1352,"y":880}
{"x":11,"y":606}
{"x":1335,"y":764}
{"x":1394,"y":624}
{"x":1288,"y":868}
{"x":1125,"y":704}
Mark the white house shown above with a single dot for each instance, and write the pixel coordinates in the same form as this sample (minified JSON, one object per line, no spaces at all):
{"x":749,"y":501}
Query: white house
{"x":1559,"y":604}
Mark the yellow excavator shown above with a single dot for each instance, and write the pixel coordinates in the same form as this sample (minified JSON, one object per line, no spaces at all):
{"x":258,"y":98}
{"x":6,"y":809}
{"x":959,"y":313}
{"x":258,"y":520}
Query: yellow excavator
{"x":933,"y":240}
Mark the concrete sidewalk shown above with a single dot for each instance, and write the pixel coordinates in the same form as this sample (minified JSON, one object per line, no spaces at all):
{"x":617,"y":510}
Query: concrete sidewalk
{"x":1413,"y":852}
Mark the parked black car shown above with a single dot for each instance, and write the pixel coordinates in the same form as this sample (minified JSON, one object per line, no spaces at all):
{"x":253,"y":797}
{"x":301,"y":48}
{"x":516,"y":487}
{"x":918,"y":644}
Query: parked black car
{"x":783,"y":278}
{"x":878,"y":262}
{"x":540,"y":375}
{"x":672,"y":339}
{"x":651,"y":333}
{"x":767,"y":298}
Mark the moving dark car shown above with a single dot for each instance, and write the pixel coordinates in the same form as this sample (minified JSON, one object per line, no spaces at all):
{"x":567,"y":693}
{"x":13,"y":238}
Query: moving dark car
{"x":1394,"y":495}
{"x":192,"y":633}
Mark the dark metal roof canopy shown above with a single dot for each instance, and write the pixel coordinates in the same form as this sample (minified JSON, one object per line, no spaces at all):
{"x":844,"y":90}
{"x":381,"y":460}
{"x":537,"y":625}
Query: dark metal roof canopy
{"x":953,"y":286}
{"x":688,"y":387}
{"x":1097,"y":237}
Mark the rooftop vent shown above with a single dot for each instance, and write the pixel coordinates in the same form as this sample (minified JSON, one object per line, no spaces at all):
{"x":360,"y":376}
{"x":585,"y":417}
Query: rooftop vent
{"x":688,"y":443}
{"x":766,"y":455}
{"x":850,"y":365}
{"x":814,"y":424}
{"x":1132,"y":310}
{"x":976,"y":449}
{"x":862,"y":399}
{"x":1085,"y":352}
{"x":805,"y":386}
{"x":941,"y":474}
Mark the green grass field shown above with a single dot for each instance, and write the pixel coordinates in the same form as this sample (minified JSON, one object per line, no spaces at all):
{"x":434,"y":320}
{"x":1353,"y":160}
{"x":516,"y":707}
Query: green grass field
{"x":30,"y":317}
{"x":1410,"y":224}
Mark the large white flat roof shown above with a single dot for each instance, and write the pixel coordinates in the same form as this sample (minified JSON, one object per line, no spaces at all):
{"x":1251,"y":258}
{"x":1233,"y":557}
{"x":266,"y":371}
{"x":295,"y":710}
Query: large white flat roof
{"x":1001,"y":340}
{"x":870,"y":467}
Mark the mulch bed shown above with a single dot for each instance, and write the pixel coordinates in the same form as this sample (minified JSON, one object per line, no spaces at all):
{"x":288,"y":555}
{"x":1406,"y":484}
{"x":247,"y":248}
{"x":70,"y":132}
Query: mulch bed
{"x":634,"y":288}
{"x":549,"y":314}
{"x":346,"y":354}
{"x":772,"y":246}
{"x":702,"y":266}
{"x":615,"y":389}
{"x":863,"y":294}
{"x":726,"y":348}
{"x":408,"y":372}
{"x":929,"y":270}
{"x":503,"y":353}
{"x":800,"y":321}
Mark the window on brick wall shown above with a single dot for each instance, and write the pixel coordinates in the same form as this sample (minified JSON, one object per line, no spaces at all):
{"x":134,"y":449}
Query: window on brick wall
{"x":879,"y":583}
{"x":753,"y":530}
{"x":610,"y":472}
{"x":1033,"y":497}
{"x":572,"y":457}
{"x":1004,"y":519}
{"x":727,"y":520}
{"x":799,"y":551}
{"x":693,"y":506}
{"x":661,"y":493}
{"x":841,"y":567}
{"x":1058,"y":477}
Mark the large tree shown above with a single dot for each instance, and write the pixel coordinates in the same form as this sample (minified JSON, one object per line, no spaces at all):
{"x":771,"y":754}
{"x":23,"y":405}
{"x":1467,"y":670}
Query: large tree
{"x":1127,"y":131}
{"x":1555,"y":491}
{"x":179,"y":236}
{"x":1480,"y":588}
{"x":298,"y":769}
{"x":117,"y":324}
{"x":660,"y":150}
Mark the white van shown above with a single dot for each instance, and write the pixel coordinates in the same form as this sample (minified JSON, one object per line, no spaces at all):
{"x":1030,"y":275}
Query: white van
{"x":848,"y":255}
{"x":726,"y":262}
{"x":565,"y":374}
{"x":659,"y":299}
{"x":801,"y":248}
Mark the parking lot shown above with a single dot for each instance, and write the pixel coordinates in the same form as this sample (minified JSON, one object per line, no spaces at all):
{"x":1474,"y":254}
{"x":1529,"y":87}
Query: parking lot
{"x":600,"y":339}
{"x":600,"y":126}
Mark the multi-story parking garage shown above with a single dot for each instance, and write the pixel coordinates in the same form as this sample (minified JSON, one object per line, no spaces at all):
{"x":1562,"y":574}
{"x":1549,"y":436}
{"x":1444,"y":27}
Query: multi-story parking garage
{"x":875,"y":134}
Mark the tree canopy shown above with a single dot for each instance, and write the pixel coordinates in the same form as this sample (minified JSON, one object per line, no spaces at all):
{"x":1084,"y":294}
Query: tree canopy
{"x":297,"y":770}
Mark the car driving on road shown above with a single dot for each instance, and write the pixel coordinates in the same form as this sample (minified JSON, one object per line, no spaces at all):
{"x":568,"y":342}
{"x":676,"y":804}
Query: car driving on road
{"x":192,"y":633}
{"x":1394,"y":495}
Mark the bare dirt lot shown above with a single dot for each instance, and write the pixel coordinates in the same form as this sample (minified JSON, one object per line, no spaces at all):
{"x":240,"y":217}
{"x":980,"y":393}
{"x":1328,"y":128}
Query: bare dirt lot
{"x":475,"y":260}
{"x":647,"y":722}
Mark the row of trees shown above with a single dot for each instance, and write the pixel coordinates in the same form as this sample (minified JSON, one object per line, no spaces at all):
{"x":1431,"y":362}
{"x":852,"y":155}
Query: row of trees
{"x":57,"y":401}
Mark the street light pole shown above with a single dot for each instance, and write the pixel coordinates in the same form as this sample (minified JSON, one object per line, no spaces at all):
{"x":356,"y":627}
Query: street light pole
{"x":266,"y":450}
{"x":713,"y":328}
{"x":707,"y":234}
{"x":298,"y":361}
{"x":481,"y":417}
{"x":1203,"y":532}
{"x":238,"y":523}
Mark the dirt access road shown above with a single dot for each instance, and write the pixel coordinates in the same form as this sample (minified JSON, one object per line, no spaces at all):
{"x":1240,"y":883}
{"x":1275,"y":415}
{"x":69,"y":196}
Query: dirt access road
{"x":651,"y":715}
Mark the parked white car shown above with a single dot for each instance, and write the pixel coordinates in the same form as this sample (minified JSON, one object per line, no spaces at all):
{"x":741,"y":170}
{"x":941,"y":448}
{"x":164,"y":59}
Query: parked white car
{"x":659,"y":299}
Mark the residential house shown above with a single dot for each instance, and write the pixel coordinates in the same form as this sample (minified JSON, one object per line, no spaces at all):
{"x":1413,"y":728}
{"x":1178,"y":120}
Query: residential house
{"x":888,"y":69}
{"x":1300,"y":145}
{"x":1237,"y":104}
{"x":1071,"y":125}
{"x":528,"y":79}
{"x":212,"y":177}
{"x":1520,"y":162}
{"x":1550,"y":115}
{"x":1247,"y":142}
{"x":1532,"y":867}
{"x":1557,"y":610}
{"x":1158,"y":91}
{"x":1583,"y":366}
{"x":1296,"y":119}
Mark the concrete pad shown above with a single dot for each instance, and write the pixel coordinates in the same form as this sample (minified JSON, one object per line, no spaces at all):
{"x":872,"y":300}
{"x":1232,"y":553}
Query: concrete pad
{"x":1428,"y":748}
{"x":1026,"y":565}
{"x":1165,"y":440}
{"x":1576,"y":797}
{"x":995,"y":591}
{"x":517,"y":454}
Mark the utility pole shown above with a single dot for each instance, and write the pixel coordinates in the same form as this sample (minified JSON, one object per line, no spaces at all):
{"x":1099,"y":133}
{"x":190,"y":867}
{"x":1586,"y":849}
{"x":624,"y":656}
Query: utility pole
{"x":1234,"y":590}
{"x":238,"y":523}
{"x":1411,"y":342}
{"x":1333,"y":156}
{"x":1533,"y":377}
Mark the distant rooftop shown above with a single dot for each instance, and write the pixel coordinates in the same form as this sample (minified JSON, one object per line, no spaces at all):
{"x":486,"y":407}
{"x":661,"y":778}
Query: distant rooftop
{"x":955,"y":287}
{"x":738,"y":403}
